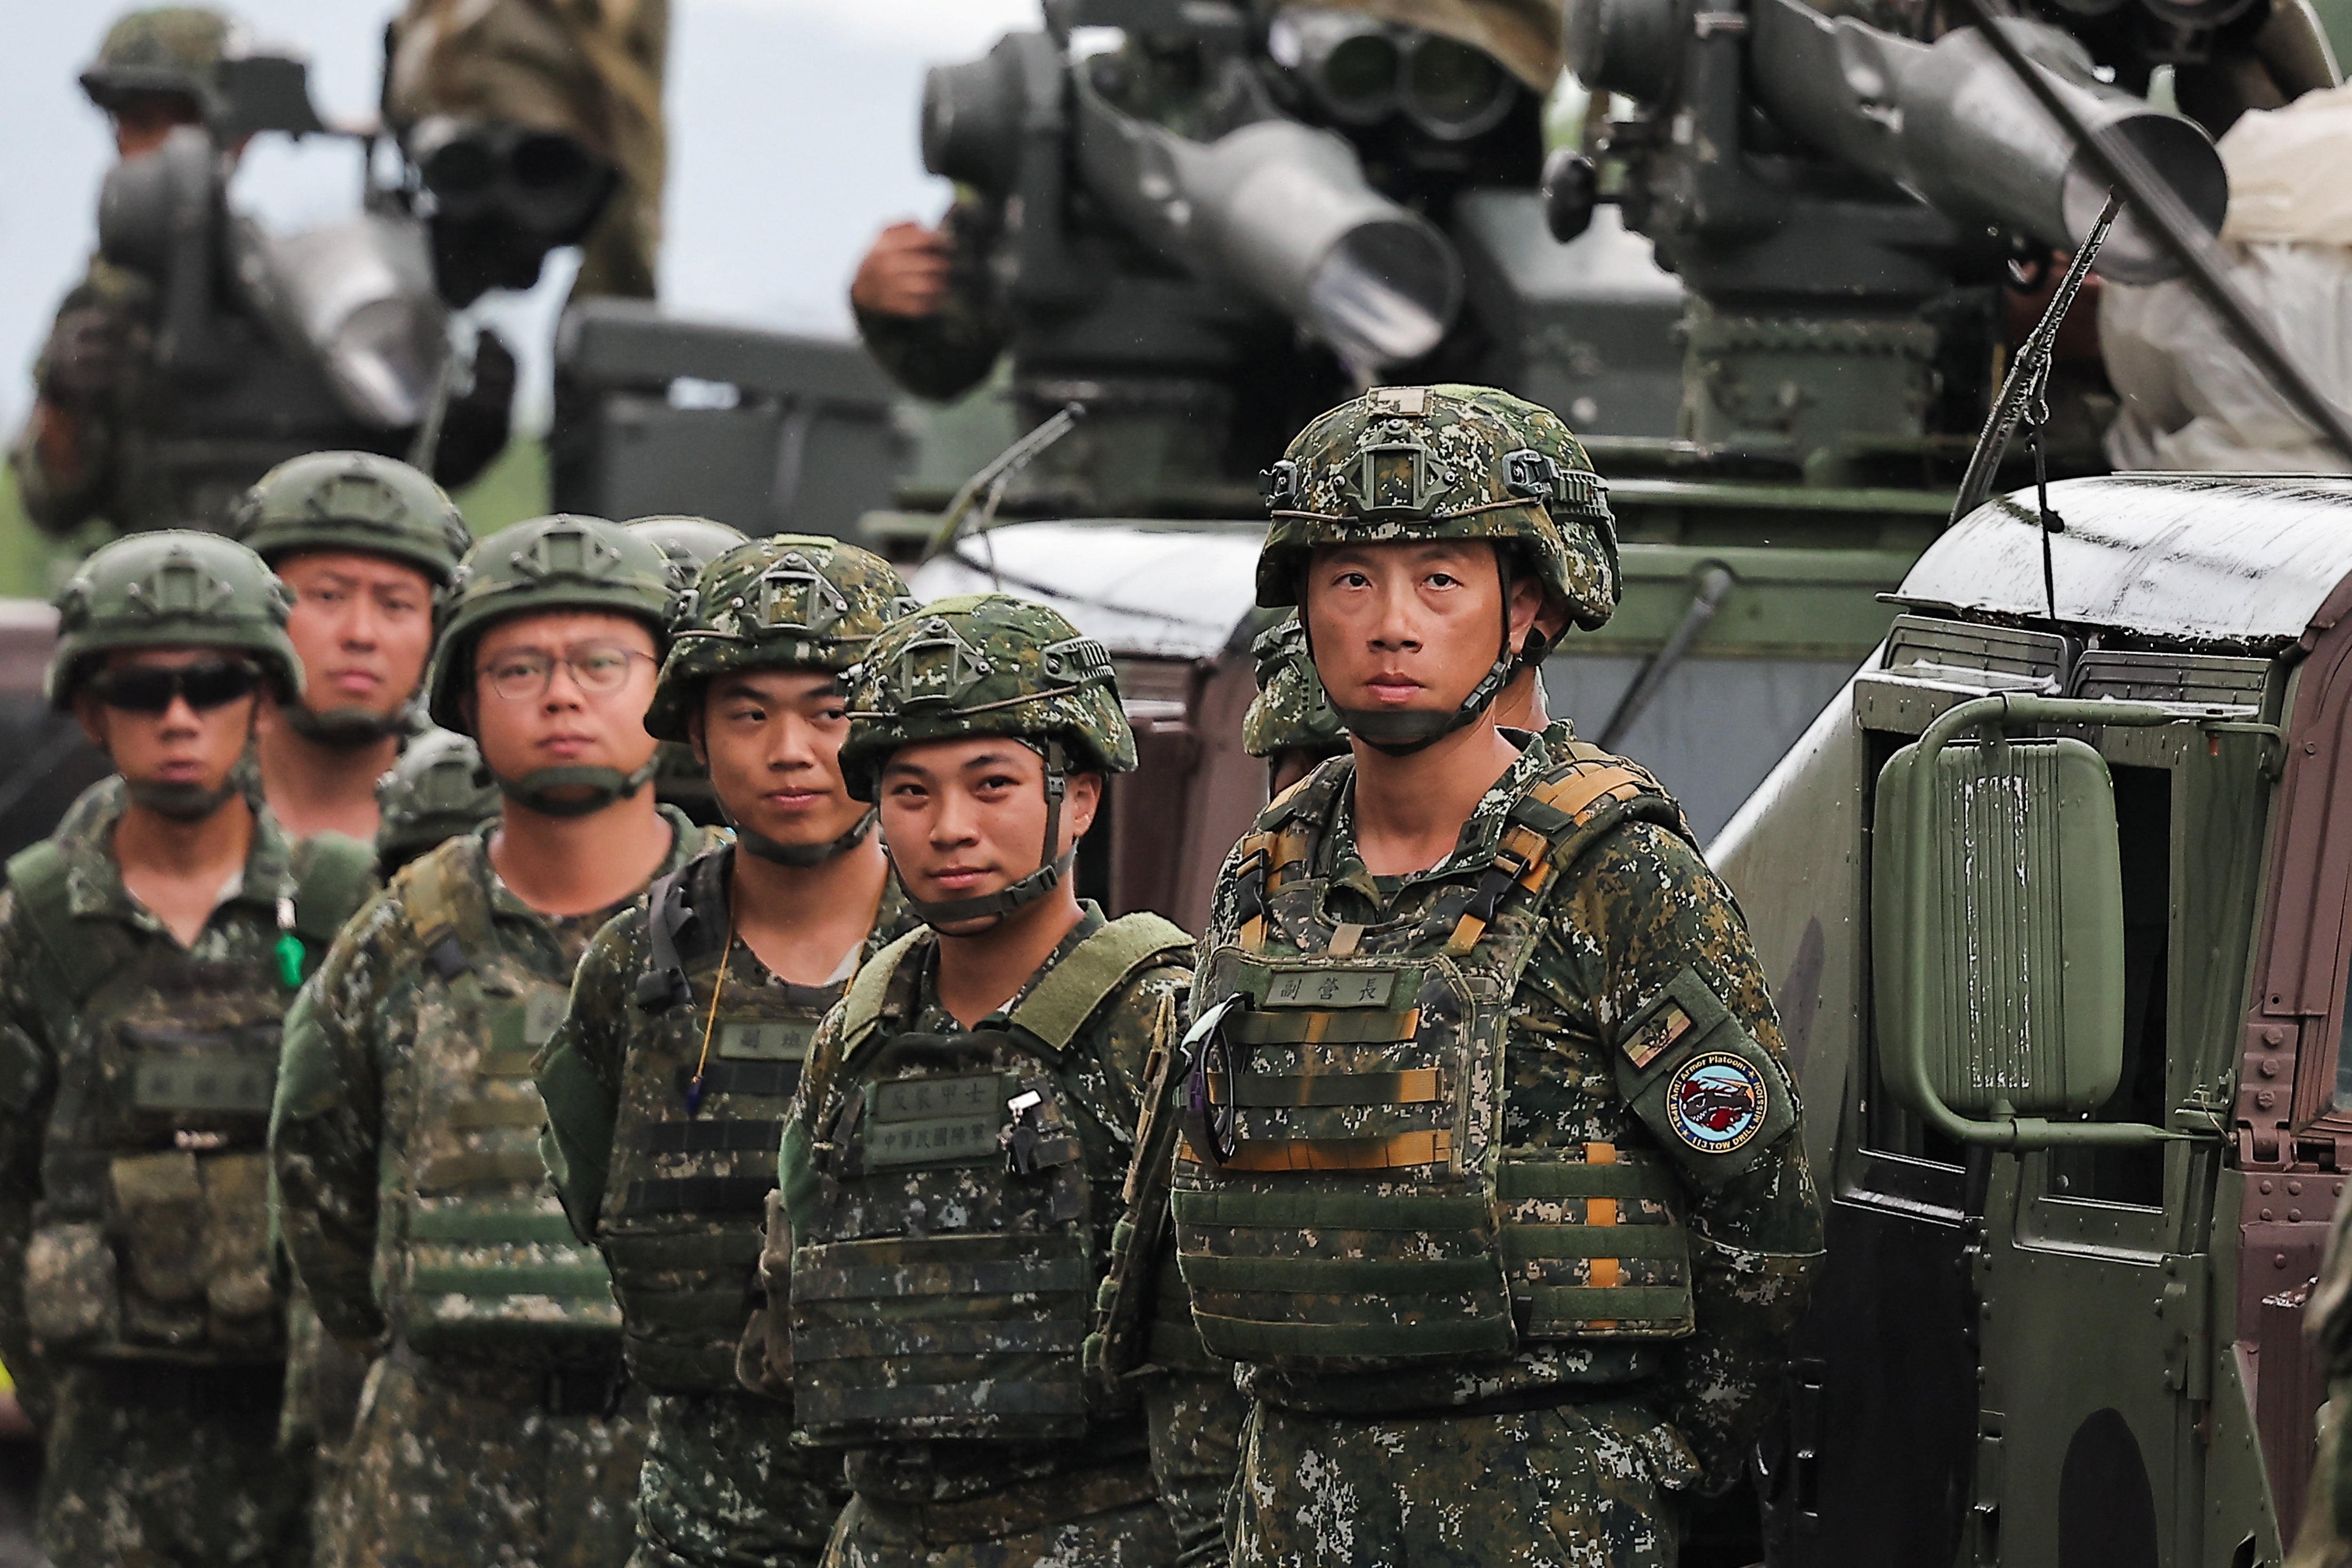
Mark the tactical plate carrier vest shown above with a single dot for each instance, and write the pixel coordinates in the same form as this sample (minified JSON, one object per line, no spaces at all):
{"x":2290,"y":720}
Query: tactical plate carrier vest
{"x":693,"y":1166}
{"x":151,"y":1237}
{"x":1360,"y":1211}
{"x":945,"y":1291}
{"x":487,"y":1266}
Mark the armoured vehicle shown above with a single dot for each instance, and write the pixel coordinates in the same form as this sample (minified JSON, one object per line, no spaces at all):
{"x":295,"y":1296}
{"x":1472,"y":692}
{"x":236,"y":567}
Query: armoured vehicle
{"x":2056,"y":890}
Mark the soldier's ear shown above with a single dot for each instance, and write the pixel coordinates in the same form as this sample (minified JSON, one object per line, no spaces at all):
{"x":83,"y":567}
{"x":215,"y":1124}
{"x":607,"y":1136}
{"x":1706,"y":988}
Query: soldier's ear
{"x":91,"y":713}
{"x":1080,"y":805}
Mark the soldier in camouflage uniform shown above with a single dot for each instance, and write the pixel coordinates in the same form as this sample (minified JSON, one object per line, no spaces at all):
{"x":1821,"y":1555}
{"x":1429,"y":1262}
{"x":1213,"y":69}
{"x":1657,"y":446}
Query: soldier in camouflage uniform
{"x":496,"y":1426}
{"x":1490,"y":1178}
{"x":146,"y":960}
{"x":666,"y":1082}
{"x":118,"y":431}
{"x":953,"y":1161}
{"x":366,"y":545}
{"x":589,"y":71}
{"x":689,"y":542}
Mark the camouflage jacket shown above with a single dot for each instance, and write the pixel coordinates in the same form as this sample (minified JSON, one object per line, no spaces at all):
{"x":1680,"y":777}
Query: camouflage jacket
{"x":40,"y":1023}
{"x":1637,"y":911}
{"x":597,"y":1109}
{"x":1187,"y":1431}
{"x":346,"y":1131}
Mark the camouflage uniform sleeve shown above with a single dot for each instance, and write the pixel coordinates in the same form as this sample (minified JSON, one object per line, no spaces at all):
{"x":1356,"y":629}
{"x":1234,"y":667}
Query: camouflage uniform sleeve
{"x":80,"y":379}
{"x":1645,"y":914}
{"x":948,"y":352}
{"x":1193,"y":1410}
{"x":579,"y":1069}
{"x":326,"y":1128}
{"x":28,"y":1083}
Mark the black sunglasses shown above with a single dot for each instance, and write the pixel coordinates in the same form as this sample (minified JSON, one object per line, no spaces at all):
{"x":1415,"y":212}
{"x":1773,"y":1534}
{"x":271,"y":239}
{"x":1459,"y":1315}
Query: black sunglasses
{"x":150,"y":689}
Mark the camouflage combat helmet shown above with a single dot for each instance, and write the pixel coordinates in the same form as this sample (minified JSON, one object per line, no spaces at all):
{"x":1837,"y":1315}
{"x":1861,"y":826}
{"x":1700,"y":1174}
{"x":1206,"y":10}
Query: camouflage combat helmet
{"x":172,"y":588}
{"x":989,"y":664}
{"x":549,"y":564}
{"x":1410,"y":463}
{"x":437,"y":791}
{"x":352,"y":501}
{"x":796,"y":601}
{"x":791,"y":601}
{"x":1290,"y":713}
{"x":172,"y":48}
{"x":690,"y":543}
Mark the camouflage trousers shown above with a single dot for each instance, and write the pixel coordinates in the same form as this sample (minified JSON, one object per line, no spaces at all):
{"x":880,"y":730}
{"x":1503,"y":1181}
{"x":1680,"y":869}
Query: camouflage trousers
{"x":145,"y":1466}
{"x":457,"y":1466}
{"x":1103,"y":1519}
{"x":324,"y":1380}
{"x":1588,"y":1485}
{"x":724,"y":1486}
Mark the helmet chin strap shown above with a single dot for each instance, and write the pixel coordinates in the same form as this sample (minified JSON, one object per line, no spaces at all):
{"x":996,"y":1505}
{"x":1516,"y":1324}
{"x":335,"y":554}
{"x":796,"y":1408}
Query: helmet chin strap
{"x":1051,"y":867}
{"x":599,"y":786}
{"x":1400,"y":733}
{"x":344,"y":729}
{"x":804,"y":856}
{"x":181,"y":802}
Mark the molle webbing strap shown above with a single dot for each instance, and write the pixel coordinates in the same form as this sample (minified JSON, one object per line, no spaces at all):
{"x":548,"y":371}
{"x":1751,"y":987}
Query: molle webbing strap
{"x":698,"y":1194}
{"x":773,"y":1079}
{"x":332,"y":874}
{"x":1411,"y":1086}
{"x":38,"y":874}
{"x":1396,"y":1151}
{"x":1066,"y":995}
{"x":1628,"y":1259}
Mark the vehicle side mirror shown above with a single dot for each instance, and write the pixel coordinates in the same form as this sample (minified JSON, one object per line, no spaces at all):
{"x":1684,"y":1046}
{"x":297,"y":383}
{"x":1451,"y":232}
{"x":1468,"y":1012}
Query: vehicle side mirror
{"x":1996,"y":931}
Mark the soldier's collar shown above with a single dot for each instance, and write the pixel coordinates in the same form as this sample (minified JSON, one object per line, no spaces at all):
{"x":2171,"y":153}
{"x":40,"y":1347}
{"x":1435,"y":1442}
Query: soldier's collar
{"x":94,"y":885}
{"x":1091,"y":921}
{"x":1474,"y":850}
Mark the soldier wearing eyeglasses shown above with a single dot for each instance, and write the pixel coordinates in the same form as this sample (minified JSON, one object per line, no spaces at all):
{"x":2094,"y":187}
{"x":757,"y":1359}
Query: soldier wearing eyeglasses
{"x":147,"y":956}
{"x":497,"y":1426}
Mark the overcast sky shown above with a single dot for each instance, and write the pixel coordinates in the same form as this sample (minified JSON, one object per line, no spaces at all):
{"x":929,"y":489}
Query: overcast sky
{"x":792,"y":140}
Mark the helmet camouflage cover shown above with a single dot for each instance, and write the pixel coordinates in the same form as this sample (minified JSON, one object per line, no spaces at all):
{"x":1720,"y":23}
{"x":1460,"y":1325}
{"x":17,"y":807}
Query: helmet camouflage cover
{"x":984,"y":664}
{"x":791,"y":601}
{"x":690,"y":543}
{"x":352,"y":501}
{"x":172,"y":588}
{"x":548,"y":563}
{"x":434,"y":792}
{"x":1290,"y":713}
{"x":170,"y":49}
{"x":1410,"y":463}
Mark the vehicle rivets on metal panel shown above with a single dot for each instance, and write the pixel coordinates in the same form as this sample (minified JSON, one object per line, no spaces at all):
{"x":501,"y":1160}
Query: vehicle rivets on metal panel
{"x":2266,"y":1187}
{"x":2267,"y":1216}
{"x":2295,"y":1189}
{"x":2274,"y":1035}
{"x":2270,"y":1066}
{"x":2267,"y":1099}
{"x":2294,"y":1216}
{"x":2278,"y":1259}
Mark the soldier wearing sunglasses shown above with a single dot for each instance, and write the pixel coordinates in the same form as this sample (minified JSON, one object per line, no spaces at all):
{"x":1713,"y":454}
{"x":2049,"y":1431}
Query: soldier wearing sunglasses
{"x":147,"y":956}
{"x":498,"y":1425}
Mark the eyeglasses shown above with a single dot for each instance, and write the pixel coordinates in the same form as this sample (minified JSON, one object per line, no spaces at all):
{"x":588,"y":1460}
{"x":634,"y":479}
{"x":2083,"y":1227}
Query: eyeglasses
{"x":598,"y":669}
{"x":152,"y":689}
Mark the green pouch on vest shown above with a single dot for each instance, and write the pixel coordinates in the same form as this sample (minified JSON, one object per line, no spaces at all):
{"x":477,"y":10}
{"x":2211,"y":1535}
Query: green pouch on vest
{"x":70,"y":1297}
{"x":1715,"y":1098}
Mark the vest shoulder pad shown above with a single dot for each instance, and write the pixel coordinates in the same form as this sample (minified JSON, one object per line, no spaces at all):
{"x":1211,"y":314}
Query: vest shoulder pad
{"x":869,"y":988}
{"x":1067,"y":995}
{"x":1309,"y":796}
{"x":333,"y":874}
{"x":37,"y":875}
{"x":445,"y":908}
{"x":1588,"y":795}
